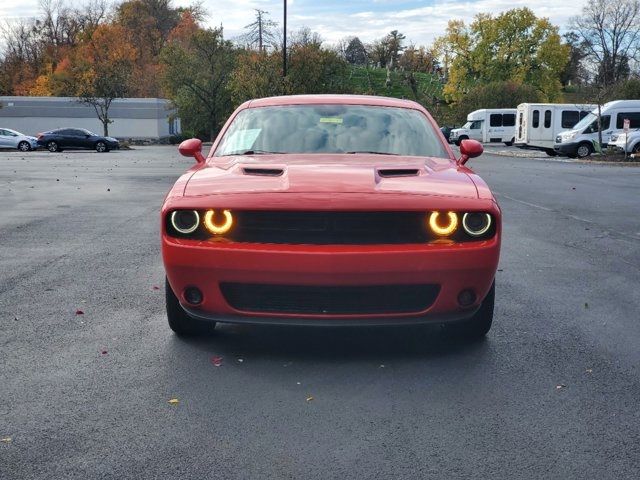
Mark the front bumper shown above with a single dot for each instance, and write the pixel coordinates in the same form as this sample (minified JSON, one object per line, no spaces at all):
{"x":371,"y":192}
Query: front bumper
{"x":567,"y":149}
{"x":453,"y":267}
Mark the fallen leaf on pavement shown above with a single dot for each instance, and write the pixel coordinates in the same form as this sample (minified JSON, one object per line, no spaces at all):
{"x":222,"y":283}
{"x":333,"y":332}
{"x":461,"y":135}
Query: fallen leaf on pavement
{"x":174,"y":401}
{"x":216,"y":361}
{"x":589,"y":370}
{"x":155,"y":287}
{"x":560,"y":386}
{"x":79,"y":312}
{"x":309,"y":398}
{"x":6,"y":440}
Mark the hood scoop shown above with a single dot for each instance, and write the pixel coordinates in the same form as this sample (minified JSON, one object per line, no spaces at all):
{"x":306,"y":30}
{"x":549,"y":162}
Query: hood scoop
{"x":398,"y":172}
{"x":263,"y":171}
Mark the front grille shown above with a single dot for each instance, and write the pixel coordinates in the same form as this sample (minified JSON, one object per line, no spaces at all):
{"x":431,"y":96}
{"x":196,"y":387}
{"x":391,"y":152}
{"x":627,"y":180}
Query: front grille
{"x":329,"y":228}
{"x":329,"y":300}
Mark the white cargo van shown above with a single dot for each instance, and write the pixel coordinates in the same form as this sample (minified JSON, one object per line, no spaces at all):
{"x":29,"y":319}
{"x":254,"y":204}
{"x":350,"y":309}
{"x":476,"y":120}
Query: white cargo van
{"x":579,"y":141}
{"x":538,"y":124}
{"x":488,"y":126}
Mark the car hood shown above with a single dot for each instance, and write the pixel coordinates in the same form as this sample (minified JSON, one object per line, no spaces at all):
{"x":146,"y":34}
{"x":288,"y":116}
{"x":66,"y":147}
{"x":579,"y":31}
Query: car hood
{"x":331,"y":174}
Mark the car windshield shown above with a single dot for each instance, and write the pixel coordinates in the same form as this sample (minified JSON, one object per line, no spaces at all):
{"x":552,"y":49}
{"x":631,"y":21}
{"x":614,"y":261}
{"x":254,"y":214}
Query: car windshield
{"x":331,"y":129}
{"x":585,"y":122}
{"x":467,"y":125}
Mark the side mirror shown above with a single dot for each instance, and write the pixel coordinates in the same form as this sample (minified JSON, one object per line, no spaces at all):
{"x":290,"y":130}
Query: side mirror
{"x":469,"y":149}
{"x":192,"y":148}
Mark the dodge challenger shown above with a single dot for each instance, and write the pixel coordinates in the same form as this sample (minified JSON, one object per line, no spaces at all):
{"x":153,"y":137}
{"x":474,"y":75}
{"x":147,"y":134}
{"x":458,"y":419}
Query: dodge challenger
{"x":330,"y":210}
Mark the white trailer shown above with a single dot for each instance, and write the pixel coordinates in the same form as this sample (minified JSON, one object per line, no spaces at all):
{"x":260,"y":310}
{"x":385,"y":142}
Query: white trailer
{"x":538,"y":124}
{"x":487,"y":126}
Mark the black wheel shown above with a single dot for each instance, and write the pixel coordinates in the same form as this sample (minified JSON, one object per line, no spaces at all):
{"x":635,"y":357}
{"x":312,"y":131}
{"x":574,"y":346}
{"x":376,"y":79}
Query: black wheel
{"x":508,"y":144}
{"x":101,"y":147}
{"x":550,"y":151}
{"x":179,"y":321}
{"x":24,"y":146}
{"x":53,"y":146}
{"x":636,"y":148}
{"x":480,"y":324}
{"x":584,"y":150}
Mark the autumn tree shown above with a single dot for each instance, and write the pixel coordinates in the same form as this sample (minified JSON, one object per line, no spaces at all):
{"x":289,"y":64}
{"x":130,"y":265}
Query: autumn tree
{"x":33,"y":48}
{"x":196,"y":73}
{"x":515,"y":46}
{"x":418,"y":59}
{"x":313,"y":68}
{"x":102,"y":69}
{"x":256,"y":75}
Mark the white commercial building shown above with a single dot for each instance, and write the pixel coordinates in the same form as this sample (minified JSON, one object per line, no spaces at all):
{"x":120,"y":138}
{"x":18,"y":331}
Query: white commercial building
{"x":133,"y":118}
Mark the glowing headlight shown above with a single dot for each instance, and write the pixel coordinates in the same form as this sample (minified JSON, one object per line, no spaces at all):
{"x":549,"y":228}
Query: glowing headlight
{"x":443,"y":230}
{"x":185,"y":221}
{"x":476,"y":223}
{"x":218,"y":229}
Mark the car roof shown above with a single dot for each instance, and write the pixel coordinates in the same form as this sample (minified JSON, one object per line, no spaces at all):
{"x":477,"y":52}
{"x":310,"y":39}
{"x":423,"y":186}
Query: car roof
{"x":333,"y":100}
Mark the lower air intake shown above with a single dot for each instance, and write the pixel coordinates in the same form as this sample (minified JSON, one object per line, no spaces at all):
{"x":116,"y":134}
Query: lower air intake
{"x":329,"y":300}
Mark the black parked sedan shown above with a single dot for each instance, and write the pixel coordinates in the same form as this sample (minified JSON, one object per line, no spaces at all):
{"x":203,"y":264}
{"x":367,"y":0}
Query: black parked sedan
{"x":63,"y":138}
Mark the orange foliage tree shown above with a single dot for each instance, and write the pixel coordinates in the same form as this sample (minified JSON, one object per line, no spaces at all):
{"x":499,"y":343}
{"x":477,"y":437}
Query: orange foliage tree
{"x":102,"y":69}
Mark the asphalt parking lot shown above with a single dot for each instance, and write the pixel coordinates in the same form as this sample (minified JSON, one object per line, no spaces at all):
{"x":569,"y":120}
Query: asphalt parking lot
{"x":553,"y":392}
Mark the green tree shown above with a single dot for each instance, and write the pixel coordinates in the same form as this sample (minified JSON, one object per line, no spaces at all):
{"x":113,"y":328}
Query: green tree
{"x":515,"y":46}
{"x":196,"y":72}
{"x":355,"y":53}
{"x":496,"y":95}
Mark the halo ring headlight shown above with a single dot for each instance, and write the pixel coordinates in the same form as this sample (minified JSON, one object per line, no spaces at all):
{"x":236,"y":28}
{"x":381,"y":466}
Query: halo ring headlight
{"x":218,"y":229}
{"x":443,"y":230}
{"x":176,"y":220}
{"x":476,"y":231}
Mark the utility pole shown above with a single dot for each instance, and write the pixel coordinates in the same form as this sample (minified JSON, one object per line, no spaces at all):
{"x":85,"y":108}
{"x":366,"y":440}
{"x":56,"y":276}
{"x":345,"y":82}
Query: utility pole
{"x":284,"y":47}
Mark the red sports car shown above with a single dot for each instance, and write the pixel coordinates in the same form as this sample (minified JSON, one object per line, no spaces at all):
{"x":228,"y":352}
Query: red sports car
{"x":330,"y":210}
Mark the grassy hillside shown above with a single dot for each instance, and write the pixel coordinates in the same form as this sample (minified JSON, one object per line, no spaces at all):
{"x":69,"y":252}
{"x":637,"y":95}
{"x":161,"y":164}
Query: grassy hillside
{"x":373,"y":81}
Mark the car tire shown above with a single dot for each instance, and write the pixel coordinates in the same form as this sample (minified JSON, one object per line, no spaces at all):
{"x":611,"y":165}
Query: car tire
{"x":101,"y":147}
{"x":508,"y":144}
{"x":24,"y":146}
{"x":53,"y":147}
{"x":480,"y":324}
{"x":636,"y":148}
{"x":584,"y":150}
{"x":460,"y":139}
{"x":551,"y":152}
{"x":179,"y":321}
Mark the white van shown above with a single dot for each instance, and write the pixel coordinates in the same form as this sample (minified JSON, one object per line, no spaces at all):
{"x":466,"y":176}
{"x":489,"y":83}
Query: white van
{"x":538,"y":124}
{"x":579,"y":141}
{"x":487,"y":126}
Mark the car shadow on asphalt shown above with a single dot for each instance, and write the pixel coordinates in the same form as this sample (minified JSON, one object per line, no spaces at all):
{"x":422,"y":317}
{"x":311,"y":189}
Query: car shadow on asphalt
{"x":333,"y":343}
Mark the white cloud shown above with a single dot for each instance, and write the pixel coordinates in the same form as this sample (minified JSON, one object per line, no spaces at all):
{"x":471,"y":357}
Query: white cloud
{"x":421,"y":25}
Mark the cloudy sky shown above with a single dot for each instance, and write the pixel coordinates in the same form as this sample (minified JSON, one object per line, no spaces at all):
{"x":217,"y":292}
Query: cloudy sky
{"x":419,"y":20}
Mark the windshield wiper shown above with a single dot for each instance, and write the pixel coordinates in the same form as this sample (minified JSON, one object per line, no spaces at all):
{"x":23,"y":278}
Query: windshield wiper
{"x":371,"y":152}
{"x":254,"y":152}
